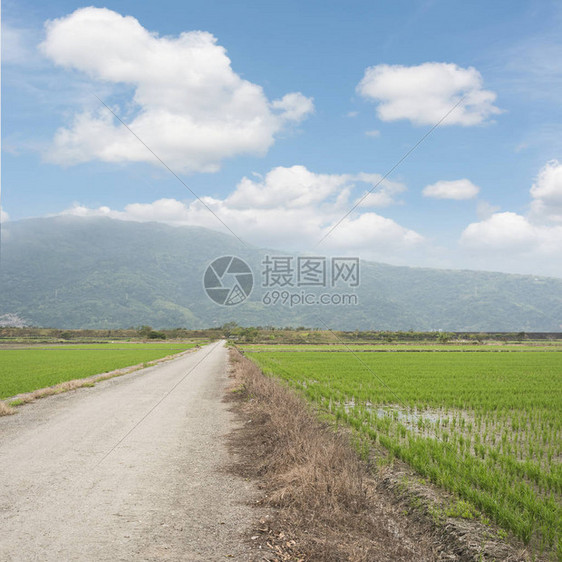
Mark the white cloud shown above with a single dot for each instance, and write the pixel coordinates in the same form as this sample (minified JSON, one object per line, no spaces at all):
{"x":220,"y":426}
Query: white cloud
{"x":548,"y":186}
{"x":4,"y":217}
{"x":189,"y":105}
{"x":370,"y":228}
{"x":485,"y":210}
{"x":424,"y":94}
{"x":514,"y":233}
{"x":501,"y":231}
{"x":293,"y":187}
{"x":540,"y":232}
{"x":294,"y":106}
{"x":456,"y":189}
{"x":374,"y":133}
{"x":547,"y":193}
{"x":290,"y":208}
{"x":383,"y":195}
{"x":520,"y":243}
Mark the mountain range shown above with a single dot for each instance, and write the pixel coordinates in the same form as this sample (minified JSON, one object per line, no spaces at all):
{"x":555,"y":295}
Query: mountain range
{"x":76,"y":272}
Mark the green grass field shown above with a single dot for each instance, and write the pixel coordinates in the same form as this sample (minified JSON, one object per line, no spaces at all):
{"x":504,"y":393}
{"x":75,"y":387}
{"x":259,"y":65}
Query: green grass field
{"x":468,"y":347}
{"x":25,"y":370}
{"x":485,"y":426}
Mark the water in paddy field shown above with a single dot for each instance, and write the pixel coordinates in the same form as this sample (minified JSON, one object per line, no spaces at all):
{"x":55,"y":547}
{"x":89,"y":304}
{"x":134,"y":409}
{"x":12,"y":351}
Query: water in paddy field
{"x":413,"y":417}
{"x":396,"y":412}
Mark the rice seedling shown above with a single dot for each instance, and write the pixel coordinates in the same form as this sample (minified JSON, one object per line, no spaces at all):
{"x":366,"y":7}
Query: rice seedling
{"x":485,"y":426}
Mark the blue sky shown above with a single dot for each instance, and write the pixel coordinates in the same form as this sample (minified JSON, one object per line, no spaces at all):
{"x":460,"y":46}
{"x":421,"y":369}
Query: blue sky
{"x":281,"y":116}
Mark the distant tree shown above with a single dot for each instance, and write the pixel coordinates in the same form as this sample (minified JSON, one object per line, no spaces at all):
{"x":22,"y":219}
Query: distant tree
{"x":249,"y":335}
{"x":229,"y":328}
{"x":144,"y":331}
{"x":153,"y":335}
{"x":444,"y":337}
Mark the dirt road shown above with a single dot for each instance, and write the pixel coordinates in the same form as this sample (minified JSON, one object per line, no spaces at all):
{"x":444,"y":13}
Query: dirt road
{"x":131,"y":469}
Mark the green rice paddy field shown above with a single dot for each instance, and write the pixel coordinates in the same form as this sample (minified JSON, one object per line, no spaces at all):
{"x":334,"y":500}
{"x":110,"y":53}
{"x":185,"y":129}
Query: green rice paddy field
{"x":468,"y":347}
{"x":486,"y":426}
{"x":25,"y":370}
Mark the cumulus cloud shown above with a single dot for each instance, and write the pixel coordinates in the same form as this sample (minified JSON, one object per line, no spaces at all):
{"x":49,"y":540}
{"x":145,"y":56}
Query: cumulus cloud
{"x":485,"y":210}
{"x":290,"y":208}
{"x":383,"y":195}
{"x":501,"y":231}
{"x":540,"y":232}
{"x":294,"y":106}
{"x":547,"y":193}
{"x":456,"y":189}
{"x":424,"y":94}
{"x":188,"y":104}
{"x":524,"y":241}
{"x":513,"y":233}
{"x":4,"y":217}
{"x":293,"y":187}
{"x":371,"y":228}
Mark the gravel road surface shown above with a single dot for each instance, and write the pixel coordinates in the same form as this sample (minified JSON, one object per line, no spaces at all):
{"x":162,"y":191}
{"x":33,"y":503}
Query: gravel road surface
{"x":131,"y":469}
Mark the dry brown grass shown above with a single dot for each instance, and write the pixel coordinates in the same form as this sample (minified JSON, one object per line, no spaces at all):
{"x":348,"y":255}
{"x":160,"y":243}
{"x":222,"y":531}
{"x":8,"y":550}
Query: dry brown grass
{"x":325,"y":508}
{"x":6,"y":409}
